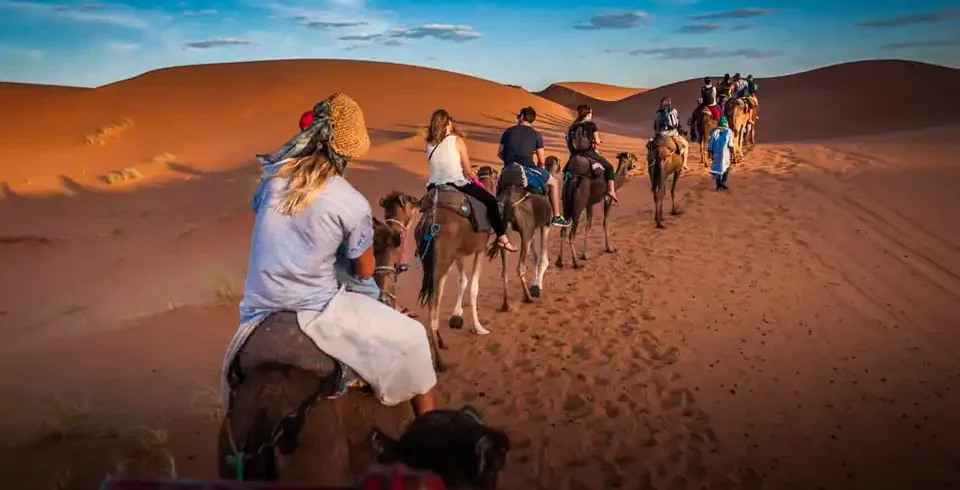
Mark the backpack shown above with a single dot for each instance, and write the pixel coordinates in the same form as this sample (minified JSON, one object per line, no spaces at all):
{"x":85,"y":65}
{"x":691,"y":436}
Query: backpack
{"x":665,"y":120}
{"x":578,"y":139}
{"x":706,"y":93}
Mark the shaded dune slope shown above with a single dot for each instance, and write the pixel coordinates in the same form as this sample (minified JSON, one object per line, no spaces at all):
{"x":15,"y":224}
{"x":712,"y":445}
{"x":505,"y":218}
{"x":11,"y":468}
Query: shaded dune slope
{"x":187,"y":111}
{"x":849,"y":99}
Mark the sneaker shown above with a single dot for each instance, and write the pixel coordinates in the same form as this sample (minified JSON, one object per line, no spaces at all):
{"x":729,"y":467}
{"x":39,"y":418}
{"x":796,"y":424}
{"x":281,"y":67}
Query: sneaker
{"x":560,"y":221}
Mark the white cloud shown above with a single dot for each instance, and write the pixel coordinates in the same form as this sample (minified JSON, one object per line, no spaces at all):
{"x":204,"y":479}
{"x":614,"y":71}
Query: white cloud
{"x":121,"y":47}
{"x":216,"y":42}
{"x":194,"y":13}
{"x":87,"y":14}
{"x":14,"y":53}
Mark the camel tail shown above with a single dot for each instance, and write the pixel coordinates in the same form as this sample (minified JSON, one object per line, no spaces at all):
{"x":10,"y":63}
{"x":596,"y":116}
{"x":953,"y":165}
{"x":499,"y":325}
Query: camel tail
{"x":427,"y":255}
{"x":656,"y":172}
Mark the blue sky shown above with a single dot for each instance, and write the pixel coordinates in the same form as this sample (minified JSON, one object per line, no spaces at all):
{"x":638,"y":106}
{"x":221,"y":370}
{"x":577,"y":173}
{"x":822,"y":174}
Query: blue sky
{"x":531,"y":43}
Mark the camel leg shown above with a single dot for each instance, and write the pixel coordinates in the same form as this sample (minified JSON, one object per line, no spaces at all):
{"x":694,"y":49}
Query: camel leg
{"x":436,"y":341}
{"x":607,"y":207}
{"x":563,"y":238}
{"x":543,"y":262}
{"x":571,"y":236}
{"x":586,"y":231}
{"x":503,"y":275}
{"x":658,"y":194}
{"x":474,"y":293}
{"x":703,"y":152}
{"x":456,"y":320}
{"x":526,"y":242}
{"x":673,"y":196}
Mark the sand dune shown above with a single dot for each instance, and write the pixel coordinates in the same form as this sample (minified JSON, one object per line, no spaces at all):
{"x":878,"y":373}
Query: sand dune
{"x":593,"y":90}
{"x":190,"y":112}
{"x":763,"y":340}
{"x":849,"y":99}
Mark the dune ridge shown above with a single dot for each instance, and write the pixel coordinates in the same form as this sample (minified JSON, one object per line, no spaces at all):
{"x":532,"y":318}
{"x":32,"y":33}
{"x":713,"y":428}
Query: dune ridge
{"x":595,"y":90}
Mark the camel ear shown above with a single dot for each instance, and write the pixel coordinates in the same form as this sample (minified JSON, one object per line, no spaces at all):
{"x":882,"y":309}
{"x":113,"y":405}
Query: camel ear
{"x":383,"y":201}
{"x":472,"y":412}
{"x":383,"y":446}
{"x":483,"y":446}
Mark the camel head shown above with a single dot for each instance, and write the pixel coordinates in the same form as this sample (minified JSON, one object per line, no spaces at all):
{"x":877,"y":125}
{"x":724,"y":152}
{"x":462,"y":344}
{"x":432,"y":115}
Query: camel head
{"x":628,"y":159}
{"x":552,"y":164}
{"x":386,"y":243}
{"x":454,"y":444}
{"x":488,"y":175}
{"x":399,"y":206}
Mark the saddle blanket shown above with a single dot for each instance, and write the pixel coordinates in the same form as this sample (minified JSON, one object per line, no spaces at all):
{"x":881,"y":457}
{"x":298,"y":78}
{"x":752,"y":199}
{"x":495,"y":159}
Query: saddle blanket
{"x":451,"y":198}
{"x":386,"y":348}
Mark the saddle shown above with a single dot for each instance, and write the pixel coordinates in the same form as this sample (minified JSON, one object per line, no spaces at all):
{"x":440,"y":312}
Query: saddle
{"x":663,"y":140}
{"x":582,"y":166}
{"x":448,"y":197}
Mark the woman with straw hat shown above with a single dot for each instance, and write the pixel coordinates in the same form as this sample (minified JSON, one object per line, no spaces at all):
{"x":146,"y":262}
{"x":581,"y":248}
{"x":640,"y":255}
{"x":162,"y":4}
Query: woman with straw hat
{"x":307,"y":218}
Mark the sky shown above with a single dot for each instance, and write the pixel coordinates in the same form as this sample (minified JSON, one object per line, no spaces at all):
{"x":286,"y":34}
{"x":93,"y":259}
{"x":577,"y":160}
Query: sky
{"x":532,"y":43}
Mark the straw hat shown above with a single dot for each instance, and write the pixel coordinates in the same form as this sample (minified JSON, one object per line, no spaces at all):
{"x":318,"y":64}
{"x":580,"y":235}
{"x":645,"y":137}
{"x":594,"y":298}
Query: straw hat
{"x":350,"y":138}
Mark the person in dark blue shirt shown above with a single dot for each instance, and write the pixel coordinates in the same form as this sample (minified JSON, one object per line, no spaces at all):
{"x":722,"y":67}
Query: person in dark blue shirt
{"x":519,"y":145}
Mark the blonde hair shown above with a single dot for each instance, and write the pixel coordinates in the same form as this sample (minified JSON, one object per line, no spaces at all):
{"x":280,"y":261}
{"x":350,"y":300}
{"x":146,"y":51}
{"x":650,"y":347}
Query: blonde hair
{"x":306,"y":177}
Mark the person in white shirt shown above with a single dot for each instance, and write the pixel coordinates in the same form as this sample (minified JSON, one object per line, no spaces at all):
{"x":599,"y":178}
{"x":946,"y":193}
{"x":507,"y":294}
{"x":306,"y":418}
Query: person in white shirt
{"x":449,"y":164}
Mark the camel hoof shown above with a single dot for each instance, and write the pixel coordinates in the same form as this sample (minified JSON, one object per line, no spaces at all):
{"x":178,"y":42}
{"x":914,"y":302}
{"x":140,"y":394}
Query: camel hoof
{"x":676,"y":212}
{"x":611,"y":250}
{"x":456,"y":322}
{"x":584,"y":257}
{"x":660,"y":226}
{"x":576,"y":266}
{"x":505,"y":307}
{"x":479,"y":330}
{"x":535,"y":291}
{"x":559,"y":265}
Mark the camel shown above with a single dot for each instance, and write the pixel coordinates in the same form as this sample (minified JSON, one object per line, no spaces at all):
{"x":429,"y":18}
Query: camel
{"x":581,"y":193}
{"x":284,"y":422}
{"x":704,"y":124}
{"x":738,"y":113}
{"x":662,"y":162}
{"x":399,"y":212}
{"x":527,"y":213}
{"x":446,"y":236}
{"x":751,"y":128}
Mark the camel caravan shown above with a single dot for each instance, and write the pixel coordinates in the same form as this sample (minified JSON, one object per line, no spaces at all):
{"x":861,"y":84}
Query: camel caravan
{"x":327,"y":376}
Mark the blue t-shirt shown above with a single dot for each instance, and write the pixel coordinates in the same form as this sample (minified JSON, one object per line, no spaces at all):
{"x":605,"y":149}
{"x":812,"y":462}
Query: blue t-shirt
{"x":294,"y":259}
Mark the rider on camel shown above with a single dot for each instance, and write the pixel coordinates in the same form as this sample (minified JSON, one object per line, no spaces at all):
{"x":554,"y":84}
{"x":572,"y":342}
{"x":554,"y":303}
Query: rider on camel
{"x":667,"y":124}
{"x":726,"y":87}
{"x":590,"y":131}
{"x":739,"y":86}
{"x":708,"y":98}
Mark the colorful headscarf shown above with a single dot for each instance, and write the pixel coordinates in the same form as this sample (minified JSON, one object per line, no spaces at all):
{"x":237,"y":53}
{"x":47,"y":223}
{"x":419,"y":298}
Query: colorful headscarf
{"x":338,"y":129}
{"x":723,"y":122}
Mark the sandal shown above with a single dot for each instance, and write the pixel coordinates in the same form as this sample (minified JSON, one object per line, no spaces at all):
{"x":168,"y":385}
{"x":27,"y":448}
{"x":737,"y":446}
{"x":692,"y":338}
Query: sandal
{"x":408,"y":312}
{"x":505,"y":244}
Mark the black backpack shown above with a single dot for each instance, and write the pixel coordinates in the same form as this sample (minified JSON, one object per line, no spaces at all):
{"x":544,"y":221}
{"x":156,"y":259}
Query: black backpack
{"x":706,"y":93}
{"x":578,"y":138}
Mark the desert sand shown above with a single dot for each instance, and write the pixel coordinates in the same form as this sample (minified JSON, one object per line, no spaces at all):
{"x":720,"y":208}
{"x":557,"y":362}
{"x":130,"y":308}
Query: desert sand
{"x":799,"y":332}
{"x":601,"y":91}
